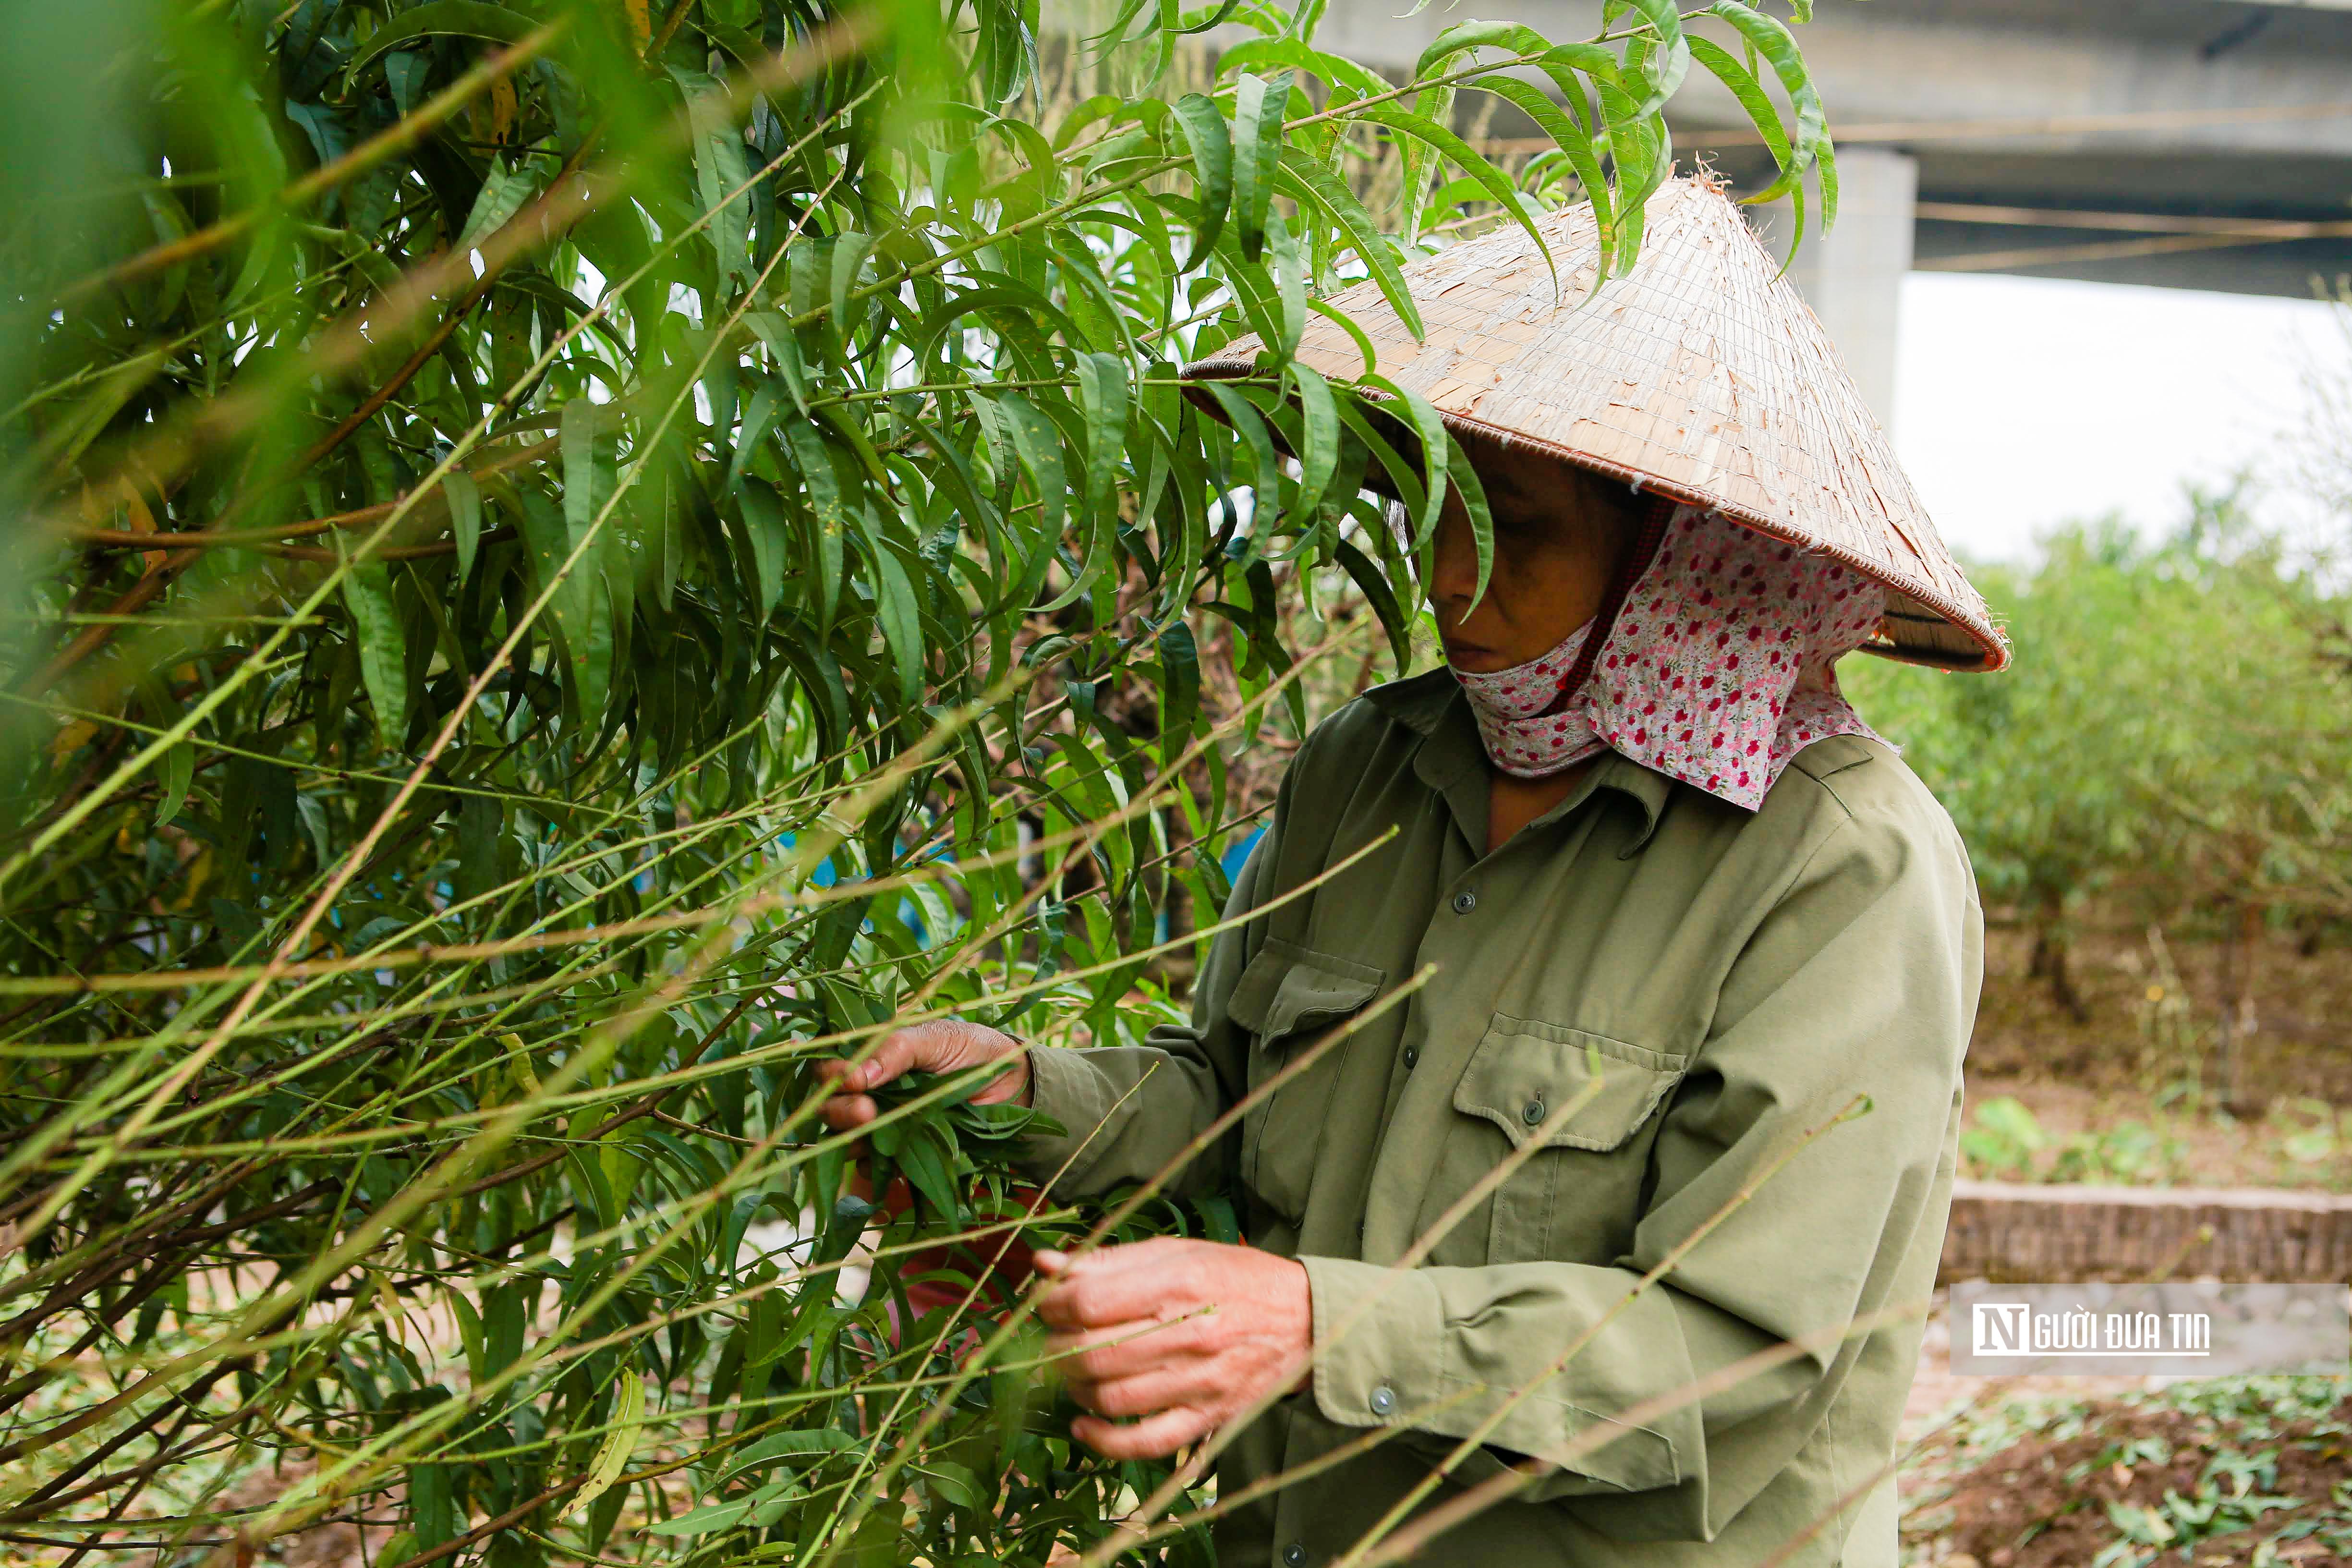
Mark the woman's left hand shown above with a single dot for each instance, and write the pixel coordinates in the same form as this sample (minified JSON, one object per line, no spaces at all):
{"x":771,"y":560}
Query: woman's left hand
{"x":1184,"y":1334}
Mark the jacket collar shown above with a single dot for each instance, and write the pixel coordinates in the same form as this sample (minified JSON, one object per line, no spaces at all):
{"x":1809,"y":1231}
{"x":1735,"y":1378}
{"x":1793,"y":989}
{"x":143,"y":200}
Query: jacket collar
{"x":1449,"y":756}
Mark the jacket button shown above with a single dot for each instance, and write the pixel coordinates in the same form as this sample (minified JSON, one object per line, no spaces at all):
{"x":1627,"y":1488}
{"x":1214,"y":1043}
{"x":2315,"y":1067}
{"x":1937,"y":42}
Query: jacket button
{"x":1533,"y":1113}
{"x":1412,"y":1058}
{"x":1383,"y":1400}
{"x":1294,"y":1554}
{"x":1465,"y":902}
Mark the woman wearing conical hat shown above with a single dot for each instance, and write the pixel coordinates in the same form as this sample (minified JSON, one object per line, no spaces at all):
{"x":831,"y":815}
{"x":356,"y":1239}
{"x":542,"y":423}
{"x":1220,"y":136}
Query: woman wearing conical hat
{"x":1600,"y":1116}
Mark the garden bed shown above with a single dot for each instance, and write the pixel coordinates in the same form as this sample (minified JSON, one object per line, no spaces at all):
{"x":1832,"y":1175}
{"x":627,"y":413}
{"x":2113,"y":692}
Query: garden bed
{"x":2229,"y":1470}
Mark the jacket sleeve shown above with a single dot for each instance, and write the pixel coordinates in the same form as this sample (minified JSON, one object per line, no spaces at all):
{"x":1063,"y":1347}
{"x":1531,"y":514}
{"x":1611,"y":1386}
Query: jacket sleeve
{"x":1128,"y":1111}
{"x":1862,"y":978}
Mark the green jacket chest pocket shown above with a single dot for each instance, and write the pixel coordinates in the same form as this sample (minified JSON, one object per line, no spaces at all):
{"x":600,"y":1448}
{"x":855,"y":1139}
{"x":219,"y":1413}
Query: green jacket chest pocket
{"x":1588,"y":1104}
{"x":1291,"y":999}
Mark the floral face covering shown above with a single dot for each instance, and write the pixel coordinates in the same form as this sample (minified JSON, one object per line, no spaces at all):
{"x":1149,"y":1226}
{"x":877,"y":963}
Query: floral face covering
{"x":1715,"y":670}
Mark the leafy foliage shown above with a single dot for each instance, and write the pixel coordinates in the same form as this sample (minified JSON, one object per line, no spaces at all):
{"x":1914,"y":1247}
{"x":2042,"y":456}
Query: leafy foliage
{"x":2175,"y":735}
{"x":2007,"y":1140}
{"x":574,"y":558}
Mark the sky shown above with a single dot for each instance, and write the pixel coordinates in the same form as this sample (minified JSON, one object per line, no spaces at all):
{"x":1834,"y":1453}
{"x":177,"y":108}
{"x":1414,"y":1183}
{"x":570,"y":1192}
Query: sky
{"x":2024,"y":402}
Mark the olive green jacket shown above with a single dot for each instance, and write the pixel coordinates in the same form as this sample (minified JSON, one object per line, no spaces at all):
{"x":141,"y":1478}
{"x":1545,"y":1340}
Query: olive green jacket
{"x":1672,"y":992}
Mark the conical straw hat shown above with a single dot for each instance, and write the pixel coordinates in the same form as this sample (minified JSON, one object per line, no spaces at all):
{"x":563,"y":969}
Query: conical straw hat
{"x":1702,"y":376}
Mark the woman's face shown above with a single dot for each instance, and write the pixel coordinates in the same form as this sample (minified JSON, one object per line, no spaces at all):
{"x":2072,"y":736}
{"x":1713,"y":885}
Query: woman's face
{"x":1560,"y":538}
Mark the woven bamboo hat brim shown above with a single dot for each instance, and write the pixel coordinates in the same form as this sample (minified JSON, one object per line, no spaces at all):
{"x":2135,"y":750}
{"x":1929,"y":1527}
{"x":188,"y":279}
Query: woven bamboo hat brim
{"x":1702,"y":374}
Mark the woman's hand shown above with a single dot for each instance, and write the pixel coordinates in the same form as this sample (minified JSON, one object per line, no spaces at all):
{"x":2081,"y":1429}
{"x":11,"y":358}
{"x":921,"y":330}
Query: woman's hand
{"x":1185,"y":1334}
{"x":949,"y":1046}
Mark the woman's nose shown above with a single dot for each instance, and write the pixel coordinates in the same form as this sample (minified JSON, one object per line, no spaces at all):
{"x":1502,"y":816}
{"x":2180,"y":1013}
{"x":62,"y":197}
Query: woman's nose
{"x":1455,"y":573}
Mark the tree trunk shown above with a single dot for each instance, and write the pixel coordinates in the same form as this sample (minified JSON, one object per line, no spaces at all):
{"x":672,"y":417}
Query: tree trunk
{"x":2048,"y":960}
{"x":2239,"y":1019}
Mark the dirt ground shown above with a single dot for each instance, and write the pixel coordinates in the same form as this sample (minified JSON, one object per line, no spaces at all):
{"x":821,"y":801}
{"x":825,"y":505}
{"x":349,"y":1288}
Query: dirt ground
{"x":2051,"y":1502}
{"x":2302,"y":1012}
{"x":2150,"y":1054}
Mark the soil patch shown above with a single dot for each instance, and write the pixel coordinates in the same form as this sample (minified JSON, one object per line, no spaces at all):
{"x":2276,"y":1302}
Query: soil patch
{"x":2140,"y":1091}
{"x":2151,"y":1002}
{"x":2167,"y":1480}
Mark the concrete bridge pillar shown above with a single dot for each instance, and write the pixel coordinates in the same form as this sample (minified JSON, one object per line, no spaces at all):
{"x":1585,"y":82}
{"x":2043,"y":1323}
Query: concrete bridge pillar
{"x":1852,"y":276}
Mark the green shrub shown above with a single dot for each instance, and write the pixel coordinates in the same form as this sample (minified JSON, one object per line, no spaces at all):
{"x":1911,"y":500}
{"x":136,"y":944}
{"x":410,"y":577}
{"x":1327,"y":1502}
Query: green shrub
{"x":2173,"y":737}
{"x":571,"y":560}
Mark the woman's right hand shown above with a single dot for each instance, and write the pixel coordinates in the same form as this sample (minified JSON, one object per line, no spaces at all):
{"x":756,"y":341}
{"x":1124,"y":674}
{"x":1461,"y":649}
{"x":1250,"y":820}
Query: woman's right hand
{"x":948,"y":1045}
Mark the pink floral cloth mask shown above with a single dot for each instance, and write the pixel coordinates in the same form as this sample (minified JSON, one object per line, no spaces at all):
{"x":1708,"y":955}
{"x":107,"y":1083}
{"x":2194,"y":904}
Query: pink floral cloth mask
{"x":1716,"y":671}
